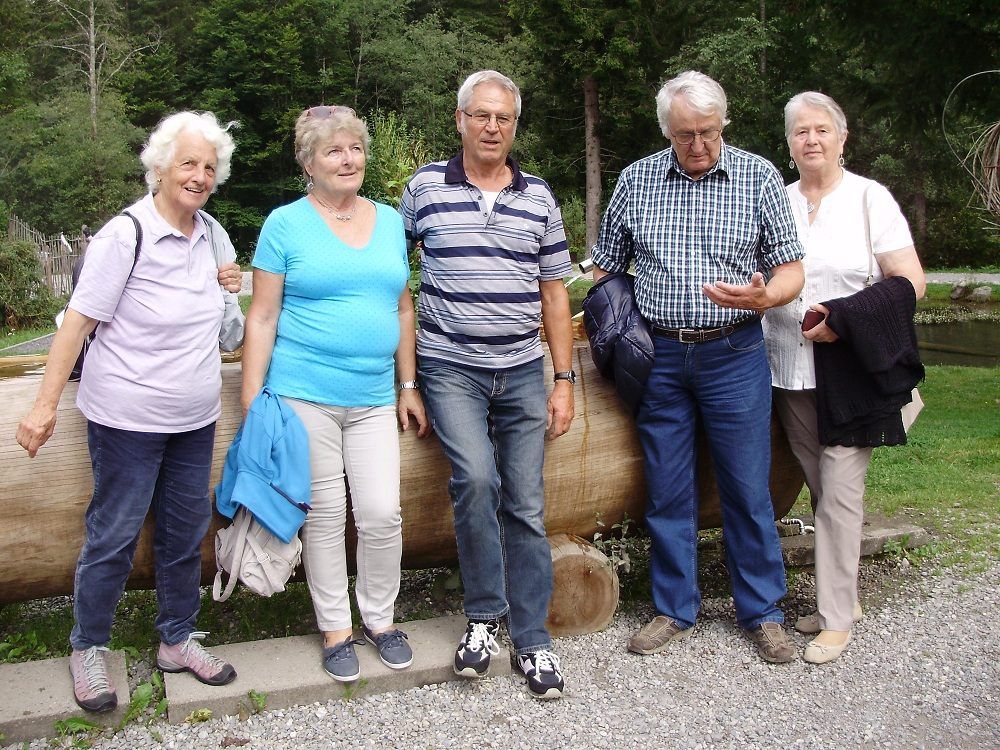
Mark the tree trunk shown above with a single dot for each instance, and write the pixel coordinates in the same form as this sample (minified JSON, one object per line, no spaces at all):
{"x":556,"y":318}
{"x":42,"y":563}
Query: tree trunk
{"x":92,"y":66}
{"x":584,"y":587}
{"x":592,"y":145}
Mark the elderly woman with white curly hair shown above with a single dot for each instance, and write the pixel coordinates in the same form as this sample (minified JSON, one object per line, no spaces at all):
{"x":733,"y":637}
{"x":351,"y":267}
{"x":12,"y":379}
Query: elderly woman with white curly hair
{"x":152,"y":293}
{"x":855,"y":236}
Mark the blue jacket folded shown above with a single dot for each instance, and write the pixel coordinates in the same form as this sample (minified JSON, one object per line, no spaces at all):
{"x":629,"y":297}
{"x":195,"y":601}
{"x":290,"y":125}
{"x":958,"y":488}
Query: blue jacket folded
{"x":267,"y":468}
{"x":620,"y":340}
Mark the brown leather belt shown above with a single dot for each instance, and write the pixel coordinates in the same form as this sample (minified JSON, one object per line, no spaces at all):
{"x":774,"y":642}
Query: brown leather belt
{"x":701,"y":335}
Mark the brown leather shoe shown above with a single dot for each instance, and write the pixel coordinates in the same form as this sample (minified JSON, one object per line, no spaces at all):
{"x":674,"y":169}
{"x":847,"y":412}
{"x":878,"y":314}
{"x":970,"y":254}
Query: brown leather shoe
{"x":772,"y":642}
{"x":656,"y":635}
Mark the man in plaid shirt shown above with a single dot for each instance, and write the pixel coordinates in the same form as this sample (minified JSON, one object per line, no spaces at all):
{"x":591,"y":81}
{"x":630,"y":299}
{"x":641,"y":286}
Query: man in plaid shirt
{"x":710,"y":231}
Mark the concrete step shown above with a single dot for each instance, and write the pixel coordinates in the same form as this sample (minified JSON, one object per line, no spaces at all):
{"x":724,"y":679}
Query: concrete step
{"x":34,"y":695}
{"x":798,"y":549}
{"x":289,"y":673}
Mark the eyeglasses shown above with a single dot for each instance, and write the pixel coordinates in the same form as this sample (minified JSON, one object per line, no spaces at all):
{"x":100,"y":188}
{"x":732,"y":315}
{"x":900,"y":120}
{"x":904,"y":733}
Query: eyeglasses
{"x":483,"y":119}
{"x":323,"y":111}
{"x":707,"y":136}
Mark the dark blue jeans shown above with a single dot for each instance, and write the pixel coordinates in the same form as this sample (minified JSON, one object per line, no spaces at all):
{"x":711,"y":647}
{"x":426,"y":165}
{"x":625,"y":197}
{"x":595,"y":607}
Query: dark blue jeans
{"x":133,"y":471}
{"x":491,"y":424}
{"x":726,"y":385}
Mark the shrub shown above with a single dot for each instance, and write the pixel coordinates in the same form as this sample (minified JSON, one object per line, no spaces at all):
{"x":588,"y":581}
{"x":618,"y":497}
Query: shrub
{"x":24,"y":298}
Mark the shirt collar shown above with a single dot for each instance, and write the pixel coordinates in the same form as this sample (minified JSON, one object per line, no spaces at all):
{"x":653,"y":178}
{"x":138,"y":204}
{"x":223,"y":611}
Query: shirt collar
{"x":158,"y":227}
{"x":724,"y":165}
{"x":455,"y":172}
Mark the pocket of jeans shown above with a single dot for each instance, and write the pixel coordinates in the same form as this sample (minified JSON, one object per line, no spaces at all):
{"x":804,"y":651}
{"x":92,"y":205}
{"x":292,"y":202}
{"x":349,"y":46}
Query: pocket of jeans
{"x":746,"y":339}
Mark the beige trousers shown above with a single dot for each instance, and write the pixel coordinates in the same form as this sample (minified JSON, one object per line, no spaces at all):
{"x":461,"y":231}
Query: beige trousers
{"x":835,"y":475}
{"x":356,"y":446}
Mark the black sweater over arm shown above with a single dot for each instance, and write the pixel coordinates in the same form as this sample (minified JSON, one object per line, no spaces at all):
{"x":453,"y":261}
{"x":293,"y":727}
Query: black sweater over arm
{"x":865,"y":378}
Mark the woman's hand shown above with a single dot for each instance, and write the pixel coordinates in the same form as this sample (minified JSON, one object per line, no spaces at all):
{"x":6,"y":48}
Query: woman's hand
{"x":230,"y":277}
{"x":411,"y":405}
{"x":821,"y":332}
{"x":36,"y":428}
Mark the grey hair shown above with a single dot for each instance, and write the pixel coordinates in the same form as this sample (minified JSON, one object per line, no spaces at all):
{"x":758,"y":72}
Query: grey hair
{"x":819,"y":101}
{"x":703,"y":94}
{"x":488,"y":76}
{"x":311,"y":131}
{"x":162,"y":144}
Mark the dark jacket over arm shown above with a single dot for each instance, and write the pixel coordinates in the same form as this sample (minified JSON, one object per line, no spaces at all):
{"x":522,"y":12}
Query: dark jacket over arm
{"x":865,"y":378}
{"x":620,"y":340}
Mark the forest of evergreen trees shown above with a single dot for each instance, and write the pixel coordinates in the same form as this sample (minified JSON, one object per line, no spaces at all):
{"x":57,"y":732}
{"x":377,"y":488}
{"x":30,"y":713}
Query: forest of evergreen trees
{"x":83,"y":81}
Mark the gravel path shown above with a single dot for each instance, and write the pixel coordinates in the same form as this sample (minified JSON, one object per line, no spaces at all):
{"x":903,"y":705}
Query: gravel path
{"x":917,"y":675}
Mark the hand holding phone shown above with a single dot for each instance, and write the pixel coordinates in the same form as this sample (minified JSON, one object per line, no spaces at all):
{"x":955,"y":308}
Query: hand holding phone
{"x":812,"y":319}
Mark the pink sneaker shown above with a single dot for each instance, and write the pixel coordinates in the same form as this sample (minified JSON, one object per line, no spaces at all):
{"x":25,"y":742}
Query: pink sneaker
{"x":92,"y":688}
{"x":190,"y":656}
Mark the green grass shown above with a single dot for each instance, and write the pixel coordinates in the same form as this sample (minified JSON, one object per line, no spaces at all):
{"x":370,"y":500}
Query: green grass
{"x":11,"y":338}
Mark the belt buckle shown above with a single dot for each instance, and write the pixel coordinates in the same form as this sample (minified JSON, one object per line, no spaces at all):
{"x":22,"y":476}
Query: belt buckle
{"x":682,"y":335}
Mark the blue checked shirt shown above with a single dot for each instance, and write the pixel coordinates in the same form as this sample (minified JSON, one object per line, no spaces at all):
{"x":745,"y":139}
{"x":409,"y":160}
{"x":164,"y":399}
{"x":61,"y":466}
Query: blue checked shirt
{"x":683,"y":233}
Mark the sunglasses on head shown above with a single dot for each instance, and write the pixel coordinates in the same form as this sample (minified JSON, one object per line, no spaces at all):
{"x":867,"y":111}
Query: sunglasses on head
{"x":323,"y":111}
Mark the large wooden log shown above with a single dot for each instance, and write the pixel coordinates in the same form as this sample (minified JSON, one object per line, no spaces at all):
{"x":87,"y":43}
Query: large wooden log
{"x":594,"y":470}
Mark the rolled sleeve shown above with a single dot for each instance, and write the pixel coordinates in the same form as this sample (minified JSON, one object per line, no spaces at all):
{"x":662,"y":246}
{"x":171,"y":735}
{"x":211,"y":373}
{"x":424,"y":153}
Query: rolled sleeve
{"x":781,"y":239}
{"x":613,"y":251}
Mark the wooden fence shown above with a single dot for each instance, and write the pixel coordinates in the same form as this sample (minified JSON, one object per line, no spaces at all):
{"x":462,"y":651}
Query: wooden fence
{"x":56,"y":254}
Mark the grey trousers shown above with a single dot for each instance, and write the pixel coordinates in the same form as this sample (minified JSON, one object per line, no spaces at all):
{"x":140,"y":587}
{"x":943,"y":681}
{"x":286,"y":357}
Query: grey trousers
{"x":835,"y":475}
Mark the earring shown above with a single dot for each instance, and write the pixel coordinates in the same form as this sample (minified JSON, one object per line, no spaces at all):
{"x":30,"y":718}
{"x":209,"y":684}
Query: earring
{"x":309,"y":185}
{"x":791,"y":163}
{"x":840,"y":161}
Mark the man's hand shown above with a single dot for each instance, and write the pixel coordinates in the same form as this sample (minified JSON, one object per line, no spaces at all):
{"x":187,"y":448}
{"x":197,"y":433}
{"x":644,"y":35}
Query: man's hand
{"x":230,"y":277}
{"x":561,"y":409}
{"x":753,"y":296}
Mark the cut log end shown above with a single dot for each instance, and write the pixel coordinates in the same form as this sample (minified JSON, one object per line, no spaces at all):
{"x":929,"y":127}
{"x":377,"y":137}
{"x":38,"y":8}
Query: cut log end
{"x":585,"y":587}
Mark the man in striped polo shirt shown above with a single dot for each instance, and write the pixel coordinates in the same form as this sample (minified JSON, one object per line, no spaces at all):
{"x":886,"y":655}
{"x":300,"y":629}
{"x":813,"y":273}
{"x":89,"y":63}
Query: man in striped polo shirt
{"x":701,"y":220}
{"x":493,"y":256}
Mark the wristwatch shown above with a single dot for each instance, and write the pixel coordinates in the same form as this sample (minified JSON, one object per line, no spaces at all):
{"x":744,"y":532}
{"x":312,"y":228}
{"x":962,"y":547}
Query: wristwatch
{"x":409,"y":385}
{"x":569,"y":375}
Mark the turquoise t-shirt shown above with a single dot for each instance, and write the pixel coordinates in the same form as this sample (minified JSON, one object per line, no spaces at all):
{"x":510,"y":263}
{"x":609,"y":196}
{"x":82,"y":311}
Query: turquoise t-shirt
{"x":339,"y":324}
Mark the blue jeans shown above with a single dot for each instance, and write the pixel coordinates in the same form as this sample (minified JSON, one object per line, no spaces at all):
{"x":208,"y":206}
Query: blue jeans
{"x":491,"y":424}
{"x":133,"y":470}
{"x":726,"y":385}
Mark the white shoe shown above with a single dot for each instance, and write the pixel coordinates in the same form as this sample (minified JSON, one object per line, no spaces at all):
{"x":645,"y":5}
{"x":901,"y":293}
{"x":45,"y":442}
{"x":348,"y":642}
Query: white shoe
{"x":818,"y":653}
{"x":809,"y":624}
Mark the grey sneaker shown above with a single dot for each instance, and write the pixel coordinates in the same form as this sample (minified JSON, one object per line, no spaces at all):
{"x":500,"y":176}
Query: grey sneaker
{"x":92,"y":688}
{"x":340,"y":661}
{"x":472,"y":657}
{"x":809,"y":624}
{"x":543,"y":672}
{"x":656,"y":635}
{"x":392,"y":647}
{"x":191,"y":656}
{"x":772,"y":642}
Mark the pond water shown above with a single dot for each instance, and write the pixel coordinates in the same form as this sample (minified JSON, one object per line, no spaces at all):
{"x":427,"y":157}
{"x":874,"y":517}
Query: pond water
{"x":974,"y":343}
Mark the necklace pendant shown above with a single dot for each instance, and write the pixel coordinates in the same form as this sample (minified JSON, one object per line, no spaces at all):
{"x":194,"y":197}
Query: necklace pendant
{"x":810,"y":207}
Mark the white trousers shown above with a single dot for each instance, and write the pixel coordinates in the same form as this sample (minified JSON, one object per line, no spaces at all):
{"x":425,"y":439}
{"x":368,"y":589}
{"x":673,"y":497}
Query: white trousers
{"x":835,"y":475}
{"x":356,"y":447}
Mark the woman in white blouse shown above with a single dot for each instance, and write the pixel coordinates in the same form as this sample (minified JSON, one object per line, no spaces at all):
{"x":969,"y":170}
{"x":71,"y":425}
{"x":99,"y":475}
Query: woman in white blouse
{"x":830,"y":206}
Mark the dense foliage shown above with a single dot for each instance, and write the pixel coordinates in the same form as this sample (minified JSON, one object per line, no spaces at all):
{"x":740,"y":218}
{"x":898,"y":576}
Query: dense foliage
{"x":74,"y":105}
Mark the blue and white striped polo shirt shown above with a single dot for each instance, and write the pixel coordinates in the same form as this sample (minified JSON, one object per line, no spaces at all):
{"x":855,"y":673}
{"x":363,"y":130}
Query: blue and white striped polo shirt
{"x":480,"y":303}
{"x":683,"y":233}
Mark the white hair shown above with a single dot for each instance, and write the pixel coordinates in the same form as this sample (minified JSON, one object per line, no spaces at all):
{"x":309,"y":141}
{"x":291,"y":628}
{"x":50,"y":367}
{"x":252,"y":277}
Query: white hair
{"x":162,"y":144}
{"x":488,"y":76}
{"x":703,"y":94}
{"x":819,"y":101}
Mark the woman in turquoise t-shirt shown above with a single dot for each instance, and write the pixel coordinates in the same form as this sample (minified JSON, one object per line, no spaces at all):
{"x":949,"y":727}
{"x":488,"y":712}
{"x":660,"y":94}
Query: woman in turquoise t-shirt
{"x":331,"y":314}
